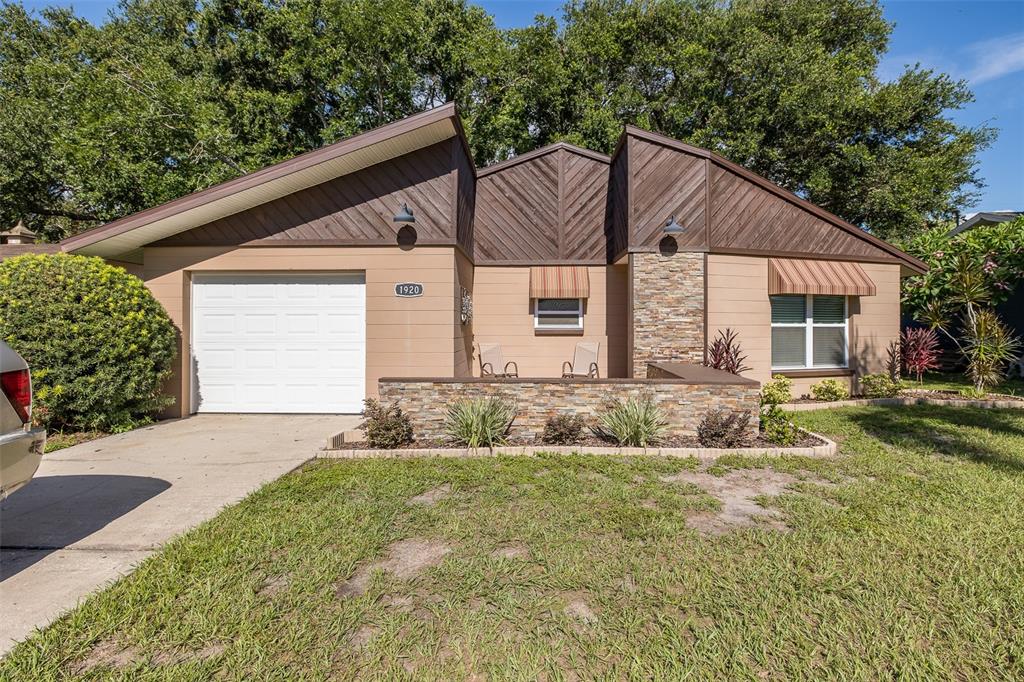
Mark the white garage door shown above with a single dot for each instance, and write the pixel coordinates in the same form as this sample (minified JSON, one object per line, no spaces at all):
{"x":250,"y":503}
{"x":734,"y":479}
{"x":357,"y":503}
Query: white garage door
{"x":278,"y":343}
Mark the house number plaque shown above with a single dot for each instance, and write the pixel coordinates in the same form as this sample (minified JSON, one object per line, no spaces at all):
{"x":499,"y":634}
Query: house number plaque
{"x":408,"y":289}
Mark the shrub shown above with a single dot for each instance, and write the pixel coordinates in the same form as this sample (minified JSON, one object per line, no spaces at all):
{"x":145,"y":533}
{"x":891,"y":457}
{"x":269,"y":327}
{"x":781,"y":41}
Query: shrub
{"x":893,"y":360}
{"x":777,"y":391}
{"x":920,"y":351}
{"x":990,"y":349}
{"x":776,"y":427}
{"x":480,"y":422}
{"x":830,"y":390}
{"x":725,"y":353}
{"x":386,"y":426}
{"x":880,"y":386}
{"x":563,"y":429}
{"x":98,"y":343}
{"x":724,"y":429}
{"x":636,"y":422}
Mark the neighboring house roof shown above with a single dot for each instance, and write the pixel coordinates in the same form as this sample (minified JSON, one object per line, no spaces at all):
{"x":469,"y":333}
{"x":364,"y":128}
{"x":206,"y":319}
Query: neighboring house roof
{"x":986,"y":218}
{"x":558,"y":194}
{"x":12,"y":250}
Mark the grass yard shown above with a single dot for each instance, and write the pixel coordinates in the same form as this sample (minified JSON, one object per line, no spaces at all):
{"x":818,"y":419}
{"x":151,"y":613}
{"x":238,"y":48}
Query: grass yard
{"x":903,"y":558}
{"x":956,"y":382}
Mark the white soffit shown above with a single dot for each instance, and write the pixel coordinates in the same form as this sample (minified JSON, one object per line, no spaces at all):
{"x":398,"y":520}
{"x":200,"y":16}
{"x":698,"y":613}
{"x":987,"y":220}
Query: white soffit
{"x":127,"y":245}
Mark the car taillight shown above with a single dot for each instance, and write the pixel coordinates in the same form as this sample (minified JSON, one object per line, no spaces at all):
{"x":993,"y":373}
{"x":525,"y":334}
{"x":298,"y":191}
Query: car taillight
{"x":18,"y":388}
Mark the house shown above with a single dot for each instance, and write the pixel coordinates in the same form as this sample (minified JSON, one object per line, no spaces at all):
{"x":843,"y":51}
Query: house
{"x":20,"y":240}
{"x":298,"y":287}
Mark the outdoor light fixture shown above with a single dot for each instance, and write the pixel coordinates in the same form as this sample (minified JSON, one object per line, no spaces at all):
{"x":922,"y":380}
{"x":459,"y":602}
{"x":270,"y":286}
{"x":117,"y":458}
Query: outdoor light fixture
{"x":672,"y":227}
{"x":405,"y":215}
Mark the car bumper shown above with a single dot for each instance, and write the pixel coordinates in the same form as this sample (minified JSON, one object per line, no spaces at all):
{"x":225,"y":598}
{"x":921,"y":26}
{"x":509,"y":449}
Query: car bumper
{"x":20,"y":454}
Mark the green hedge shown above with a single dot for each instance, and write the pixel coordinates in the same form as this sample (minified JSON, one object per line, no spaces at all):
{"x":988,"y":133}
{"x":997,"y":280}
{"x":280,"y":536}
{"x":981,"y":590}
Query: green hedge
{"x":98,"y":344}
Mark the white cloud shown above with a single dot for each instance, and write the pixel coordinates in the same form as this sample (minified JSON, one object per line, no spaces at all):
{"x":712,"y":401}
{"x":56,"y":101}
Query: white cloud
{"x":996,"y":58}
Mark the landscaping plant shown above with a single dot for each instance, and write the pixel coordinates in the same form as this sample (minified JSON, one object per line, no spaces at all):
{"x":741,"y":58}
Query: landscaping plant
{"x":894,"y":360}
{"x":725,"y":353}
{"x":830,"y":390}
{"x":774,"y":424}
{"x":563,"y":429}
{"x":480,"y":422}
{"x":990,"y":349}
{"x":724,"y":429}
{"x":634,"y":422}
{"x":98,"y":344}
{"x":920,"y":351}
{"x":386,"y":426}
{"x":969,"y":274}
{"x":880,"y":386}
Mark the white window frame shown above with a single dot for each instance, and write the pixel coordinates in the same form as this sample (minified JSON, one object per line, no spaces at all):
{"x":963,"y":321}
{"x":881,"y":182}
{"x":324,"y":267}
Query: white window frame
{"x":538,"y":313}
{"x":809,"y":324}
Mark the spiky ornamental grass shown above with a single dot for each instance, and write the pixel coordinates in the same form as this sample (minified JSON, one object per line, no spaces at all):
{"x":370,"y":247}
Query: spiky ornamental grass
{"x":633,"y":422}
{"x":480,"y":422}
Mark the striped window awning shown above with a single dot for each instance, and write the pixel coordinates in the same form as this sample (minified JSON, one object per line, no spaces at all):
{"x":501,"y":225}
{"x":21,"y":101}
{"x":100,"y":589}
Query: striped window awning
{"x":826,"y":277}
{"x":559,"y":281}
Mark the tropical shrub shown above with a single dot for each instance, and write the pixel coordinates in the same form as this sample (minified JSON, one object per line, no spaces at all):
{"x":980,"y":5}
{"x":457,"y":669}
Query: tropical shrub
{"x":920,"y":351}
{"x":563,"y":429}
{"x":98,"y":344}
{"x":480,"y":422}
{"x":830,"y":390}
{"x":386,"y":426}
{"x":635,"y":422}
{"x":990,"y":349}
{"x":725,"y":353}
{"x":776,"y":427}
{"x":724,"y":429}
{"x":777,"y":391}
{"x":880,"y":386}
{"x":894,"y":360}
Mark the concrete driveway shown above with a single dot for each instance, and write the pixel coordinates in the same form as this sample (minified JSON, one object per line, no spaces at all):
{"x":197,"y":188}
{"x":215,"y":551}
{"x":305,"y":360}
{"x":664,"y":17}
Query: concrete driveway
{"x":95,"y":510}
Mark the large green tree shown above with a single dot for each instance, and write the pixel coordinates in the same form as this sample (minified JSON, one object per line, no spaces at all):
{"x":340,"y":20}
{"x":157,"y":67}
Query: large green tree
{"x":170,"y":96}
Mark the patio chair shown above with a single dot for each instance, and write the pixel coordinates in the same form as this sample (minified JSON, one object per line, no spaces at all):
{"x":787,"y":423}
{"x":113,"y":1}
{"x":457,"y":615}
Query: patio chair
{"x":584,"y":362}
{"x":491,"y":358}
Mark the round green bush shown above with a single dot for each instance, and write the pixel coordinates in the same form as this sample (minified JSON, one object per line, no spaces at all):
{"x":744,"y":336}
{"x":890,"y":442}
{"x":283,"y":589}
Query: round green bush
{"x":98,"y":344}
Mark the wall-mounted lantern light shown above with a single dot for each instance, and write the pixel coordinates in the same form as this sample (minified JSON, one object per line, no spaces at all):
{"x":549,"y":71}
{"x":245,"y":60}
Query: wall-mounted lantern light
{"x":404,"y":215}
{"x":672,"y":227}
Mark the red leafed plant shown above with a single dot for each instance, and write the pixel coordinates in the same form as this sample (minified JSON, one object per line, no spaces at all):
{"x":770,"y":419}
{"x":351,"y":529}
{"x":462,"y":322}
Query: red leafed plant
{"x":725,"y":353}
{"x":920,"y":351}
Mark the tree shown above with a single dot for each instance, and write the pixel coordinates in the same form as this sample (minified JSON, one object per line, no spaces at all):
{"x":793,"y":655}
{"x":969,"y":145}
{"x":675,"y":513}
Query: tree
{"x":968,"y":275}
{"x":171,"y":96}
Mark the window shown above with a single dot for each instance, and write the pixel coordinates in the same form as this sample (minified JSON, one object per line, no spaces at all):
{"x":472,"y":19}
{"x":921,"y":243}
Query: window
{"x":809,"y":331}
{"x":558,"y":313}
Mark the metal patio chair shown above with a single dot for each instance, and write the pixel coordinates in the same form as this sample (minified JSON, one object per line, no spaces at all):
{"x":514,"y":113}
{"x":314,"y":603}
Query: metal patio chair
{"x":584,"y":362}
{"x":492,"y":362}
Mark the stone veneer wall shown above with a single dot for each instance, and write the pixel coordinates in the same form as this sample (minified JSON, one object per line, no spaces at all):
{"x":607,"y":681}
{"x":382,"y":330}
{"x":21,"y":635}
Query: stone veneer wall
{"x":668,"y":308}
{"x":684,"y":404}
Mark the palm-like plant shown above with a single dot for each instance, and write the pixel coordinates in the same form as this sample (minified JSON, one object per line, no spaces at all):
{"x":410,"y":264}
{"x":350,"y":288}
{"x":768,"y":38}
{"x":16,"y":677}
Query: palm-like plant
{"x":480,"y":422}
{"x":990,"y":348}
{"x":634,"y":422}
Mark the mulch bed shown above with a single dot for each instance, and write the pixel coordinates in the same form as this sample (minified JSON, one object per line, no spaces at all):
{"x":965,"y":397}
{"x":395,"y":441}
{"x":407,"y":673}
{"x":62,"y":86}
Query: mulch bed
{"x":804,"y":441}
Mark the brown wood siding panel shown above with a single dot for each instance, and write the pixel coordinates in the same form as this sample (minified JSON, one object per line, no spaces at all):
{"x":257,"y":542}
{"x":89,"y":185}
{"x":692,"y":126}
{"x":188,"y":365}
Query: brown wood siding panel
{"x":666,"y":182}
{"x":517,"y":212}
{"x":585,"y":199}
{"x":466,"y":198}
{"x":745,"y":216}
{"x":617,"y":214}
{"x":358,"y":206}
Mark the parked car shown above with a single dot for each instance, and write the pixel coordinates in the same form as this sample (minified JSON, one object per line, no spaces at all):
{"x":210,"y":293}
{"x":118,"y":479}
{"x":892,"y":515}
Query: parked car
{"x":21,"y":446}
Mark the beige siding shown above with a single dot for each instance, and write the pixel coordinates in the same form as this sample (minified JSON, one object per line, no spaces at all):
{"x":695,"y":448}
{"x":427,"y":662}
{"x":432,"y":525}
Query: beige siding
{"x":404,"y":336}
{"x":503,"y":314}
{"x":738,"y":299}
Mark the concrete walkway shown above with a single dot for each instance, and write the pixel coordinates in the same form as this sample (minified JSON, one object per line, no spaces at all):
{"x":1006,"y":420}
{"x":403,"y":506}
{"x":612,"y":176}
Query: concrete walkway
{"x":95,"y":510}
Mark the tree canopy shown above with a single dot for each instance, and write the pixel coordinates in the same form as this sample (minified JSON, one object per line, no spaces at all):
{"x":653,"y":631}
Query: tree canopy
{"x":170,"y":96}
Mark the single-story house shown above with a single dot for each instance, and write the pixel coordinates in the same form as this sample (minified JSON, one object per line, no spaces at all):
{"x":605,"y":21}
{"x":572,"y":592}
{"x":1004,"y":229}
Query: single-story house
{"x":296,"y":288}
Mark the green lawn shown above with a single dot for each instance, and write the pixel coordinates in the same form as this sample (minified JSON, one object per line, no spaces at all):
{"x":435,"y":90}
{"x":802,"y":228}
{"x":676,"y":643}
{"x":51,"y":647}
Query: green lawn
{"x":900,"y":559}
{"x":955,"y":382}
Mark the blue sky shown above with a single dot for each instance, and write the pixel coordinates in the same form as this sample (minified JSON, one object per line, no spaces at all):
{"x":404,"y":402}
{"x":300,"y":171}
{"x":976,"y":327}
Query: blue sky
{"x":977,"y":40}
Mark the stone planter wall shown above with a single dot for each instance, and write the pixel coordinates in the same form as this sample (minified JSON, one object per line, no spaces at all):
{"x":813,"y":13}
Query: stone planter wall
{"x":684,"y":403}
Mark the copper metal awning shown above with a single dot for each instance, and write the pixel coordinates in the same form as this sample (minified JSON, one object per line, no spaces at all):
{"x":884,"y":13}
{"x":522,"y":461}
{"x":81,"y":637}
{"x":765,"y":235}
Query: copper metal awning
{"x":827,"y":277}
{"x":559,"y":281}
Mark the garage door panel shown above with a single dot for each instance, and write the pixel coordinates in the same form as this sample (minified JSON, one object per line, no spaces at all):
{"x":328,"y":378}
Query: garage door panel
{"x":279,"y":343}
